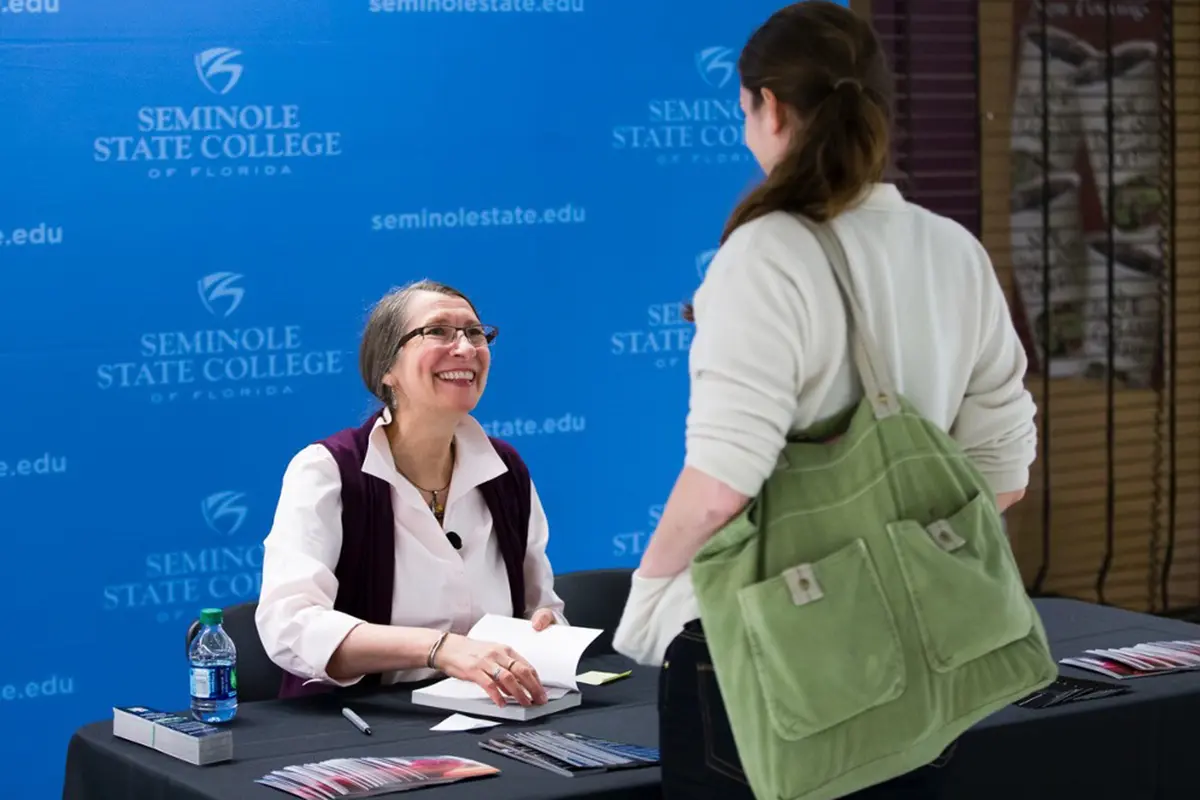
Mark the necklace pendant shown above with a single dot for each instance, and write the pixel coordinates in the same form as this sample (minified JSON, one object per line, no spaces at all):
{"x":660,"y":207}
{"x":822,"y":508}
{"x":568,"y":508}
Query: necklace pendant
{"x":438,"y":509}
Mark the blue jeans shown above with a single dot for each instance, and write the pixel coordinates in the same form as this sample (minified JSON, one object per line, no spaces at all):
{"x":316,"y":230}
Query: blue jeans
{"x":699,"y":756}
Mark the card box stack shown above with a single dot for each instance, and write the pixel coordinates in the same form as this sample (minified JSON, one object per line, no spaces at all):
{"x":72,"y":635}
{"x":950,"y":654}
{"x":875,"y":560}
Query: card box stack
{"x":177,"y":735}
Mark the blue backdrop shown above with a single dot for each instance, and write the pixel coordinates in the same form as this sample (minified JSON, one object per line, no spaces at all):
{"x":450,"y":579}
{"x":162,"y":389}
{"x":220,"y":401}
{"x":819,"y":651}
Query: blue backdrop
{"x":198,"y":204}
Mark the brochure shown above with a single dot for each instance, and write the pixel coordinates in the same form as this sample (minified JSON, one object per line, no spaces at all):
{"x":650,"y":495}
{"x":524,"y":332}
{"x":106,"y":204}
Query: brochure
{"x":570,"y":754}
{"x":1140,"y":661}
{"x":368,"y":777}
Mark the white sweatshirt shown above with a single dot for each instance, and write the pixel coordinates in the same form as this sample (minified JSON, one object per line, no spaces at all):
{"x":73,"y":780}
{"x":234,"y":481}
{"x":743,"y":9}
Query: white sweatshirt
{"x":771,"y":354}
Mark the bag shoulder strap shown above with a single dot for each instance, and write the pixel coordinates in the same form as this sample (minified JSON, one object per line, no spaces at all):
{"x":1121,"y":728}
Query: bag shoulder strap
{"x":878,"y":387}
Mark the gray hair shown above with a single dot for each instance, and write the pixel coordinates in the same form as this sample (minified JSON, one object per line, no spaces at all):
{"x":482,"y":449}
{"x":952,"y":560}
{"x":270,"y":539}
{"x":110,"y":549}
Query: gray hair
{"x":387,"y":324}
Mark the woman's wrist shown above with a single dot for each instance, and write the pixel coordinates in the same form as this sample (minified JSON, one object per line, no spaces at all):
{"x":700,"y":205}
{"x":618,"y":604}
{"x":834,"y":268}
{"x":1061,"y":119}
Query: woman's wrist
{"x":383,"y":648}
{"x":409,"y":647}
{"x":415,"y":646}
{"x":431,"y":661}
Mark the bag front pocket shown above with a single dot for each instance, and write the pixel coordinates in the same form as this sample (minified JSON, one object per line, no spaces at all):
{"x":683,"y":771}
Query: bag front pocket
{"x":966,"y":591}
{"x":823,"y":642}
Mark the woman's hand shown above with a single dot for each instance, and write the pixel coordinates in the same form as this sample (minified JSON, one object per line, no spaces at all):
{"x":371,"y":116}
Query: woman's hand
{"x":495,"y":668}
{"x":543,"y":618}
{"x":1006,"y":500}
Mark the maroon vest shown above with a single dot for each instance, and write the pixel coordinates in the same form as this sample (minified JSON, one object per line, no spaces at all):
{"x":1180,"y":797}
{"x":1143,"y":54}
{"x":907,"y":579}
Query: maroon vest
{"x":366,"y":570}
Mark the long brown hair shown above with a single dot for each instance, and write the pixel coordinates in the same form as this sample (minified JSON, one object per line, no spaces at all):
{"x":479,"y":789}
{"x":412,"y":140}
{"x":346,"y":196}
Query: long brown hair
{"x":826,"y":68}
{"x":824,"y":64}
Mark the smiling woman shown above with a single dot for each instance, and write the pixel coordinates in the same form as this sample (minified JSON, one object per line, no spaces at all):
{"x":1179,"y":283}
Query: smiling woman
{"x":392,"y":539}
{"x":455,"y":349}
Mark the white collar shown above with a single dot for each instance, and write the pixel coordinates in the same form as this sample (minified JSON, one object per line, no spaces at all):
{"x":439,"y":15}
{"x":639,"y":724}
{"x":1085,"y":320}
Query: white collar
{"x":883,"y":196}
{"x":476,"y":460}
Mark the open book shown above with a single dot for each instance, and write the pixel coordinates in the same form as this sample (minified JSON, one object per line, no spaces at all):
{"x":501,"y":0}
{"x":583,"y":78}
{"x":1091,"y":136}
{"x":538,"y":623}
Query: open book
{"x":553,"y":652}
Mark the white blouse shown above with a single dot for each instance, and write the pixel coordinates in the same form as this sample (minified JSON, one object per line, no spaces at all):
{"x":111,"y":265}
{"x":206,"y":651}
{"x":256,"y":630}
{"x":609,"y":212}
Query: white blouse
{"x":436,"y":586}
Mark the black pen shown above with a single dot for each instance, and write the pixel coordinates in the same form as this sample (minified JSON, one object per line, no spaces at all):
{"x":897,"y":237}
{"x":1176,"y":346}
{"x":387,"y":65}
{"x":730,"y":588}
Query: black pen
{"x":356,"y":721}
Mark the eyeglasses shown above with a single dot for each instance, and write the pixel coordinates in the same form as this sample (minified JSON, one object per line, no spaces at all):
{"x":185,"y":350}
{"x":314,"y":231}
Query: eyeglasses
{"x":477,"y":335}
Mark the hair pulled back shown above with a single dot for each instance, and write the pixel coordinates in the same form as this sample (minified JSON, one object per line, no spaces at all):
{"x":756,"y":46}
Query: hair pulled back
{"x":825,"y":66}
{"x":389,"y":320}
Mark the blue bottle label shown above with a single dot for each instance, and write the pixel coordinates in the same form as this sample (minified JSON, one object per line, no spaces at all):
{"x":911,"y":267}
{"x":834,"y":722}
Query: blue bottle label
{"x":214,"y":683}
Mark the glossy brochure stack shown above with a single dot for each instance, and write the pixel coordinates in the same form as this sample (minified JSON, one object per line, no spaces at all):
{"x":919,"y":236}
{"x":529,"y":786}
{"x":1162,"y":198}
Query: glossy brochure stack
{"x":368,"y":777}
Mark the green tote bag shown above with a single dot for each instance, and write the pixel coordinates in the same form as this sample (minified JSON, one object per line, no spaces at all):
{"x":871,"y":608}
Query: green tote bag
{"x":865,"y":609}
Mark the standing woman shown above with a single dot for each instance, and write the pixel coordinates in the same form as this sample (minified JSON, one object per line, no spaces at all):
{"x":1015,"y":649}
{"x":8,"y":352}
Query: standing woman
{"x":772,"y":353}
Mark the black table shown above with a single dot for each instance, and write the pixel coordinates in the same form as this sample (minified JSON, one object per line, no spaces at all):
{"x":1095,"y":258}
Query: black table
{"x":273,"y":734}
{"x":1139,"y":746}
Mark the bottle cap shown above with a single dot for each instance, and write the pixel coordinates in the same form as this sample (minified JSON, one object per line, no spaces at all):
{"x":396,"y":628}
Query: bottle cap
{"x":211,"y":616}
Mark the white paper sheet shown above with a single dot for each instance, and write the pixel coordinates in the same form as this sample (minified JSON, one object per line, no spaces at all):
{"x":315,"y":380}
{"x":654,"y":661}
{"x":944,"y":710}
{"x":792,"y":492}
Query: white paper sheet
{"x":553,"y":652}
{"x":461,"y":722}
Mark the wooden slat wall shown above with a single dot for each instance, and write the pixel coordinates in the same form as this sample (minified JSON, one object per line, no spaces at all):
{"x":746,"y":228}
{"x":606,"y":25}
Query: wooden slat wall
{"x":932,"y":43}
{"x":1184,"y":584}
{"x":1074,"y":415}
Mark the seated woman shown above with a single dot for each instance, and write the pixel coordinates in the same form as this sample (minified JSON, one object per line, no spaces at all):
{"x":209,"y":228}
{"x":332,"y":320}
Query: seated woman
{"x":391,"y":540}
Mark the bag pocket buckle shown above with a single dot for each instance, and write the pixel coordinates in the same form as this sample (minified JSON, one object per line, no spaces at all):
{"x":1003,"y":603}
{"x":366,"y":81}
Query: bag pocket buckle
{"x":944,"y":536}
{"x":802,"y":584}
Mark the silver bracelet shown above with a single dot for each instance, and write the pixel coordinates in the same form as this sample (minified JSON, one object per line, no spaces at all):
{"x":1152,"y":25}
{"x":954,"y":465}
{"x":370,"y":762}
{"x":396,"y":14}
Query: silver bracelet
{"x":433,"y":651}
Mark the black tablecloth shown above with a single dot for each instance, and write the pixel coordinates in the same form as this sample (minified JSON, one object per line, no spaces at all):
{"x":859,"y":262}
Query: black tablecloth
{"x":273,"y":734}
{"x":1140,"y":746}
{"x":1137,"y":746}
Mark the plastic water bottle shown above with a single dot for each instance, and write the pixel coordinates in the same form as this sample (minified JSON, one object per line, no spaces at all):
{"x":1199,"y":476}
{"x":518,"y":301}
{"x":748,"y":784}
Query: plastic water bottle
{"x":213,"y":660}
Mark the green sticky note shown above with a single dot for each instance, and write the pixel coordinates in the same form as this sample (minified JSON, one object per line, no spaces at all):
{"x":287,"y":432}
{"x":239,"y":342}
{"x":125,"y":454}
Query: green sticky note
{"x":597,"y":678}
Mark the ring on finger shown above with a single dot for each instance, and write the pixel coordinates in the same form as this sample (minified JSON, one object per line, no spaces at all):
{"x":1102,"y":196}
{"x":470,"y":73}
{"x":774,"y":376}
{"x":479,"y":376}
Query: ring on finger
{"x":496,"y":674}
{"x":510,"y":664}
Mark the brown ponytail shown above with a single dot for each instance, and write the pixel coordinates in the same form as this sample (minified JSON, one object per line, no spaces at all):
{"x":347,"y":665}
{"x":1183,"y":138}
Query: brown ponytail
{"x":825,"y":66}
{"x":841,"y":150}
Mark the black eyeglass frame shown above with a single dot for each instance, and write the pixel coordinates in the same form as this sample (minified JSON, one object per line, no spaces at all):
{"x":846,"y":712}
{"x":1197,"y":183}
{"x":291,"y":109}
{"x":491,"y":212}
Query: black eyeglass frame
{"x":490,"y":332}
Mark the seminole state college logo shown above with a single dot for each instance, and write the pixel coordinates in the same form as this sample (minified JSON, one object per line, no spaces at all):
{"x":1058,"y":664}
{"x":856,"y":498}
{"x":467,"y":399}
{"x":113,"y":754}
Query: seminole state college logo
{"x":217,"y":69}
{"x":716,"y":66}
{"x":224,"y":512}
{"x":699,"y":124}
{"x":662,"y":337}
{"x":168,"y":583}
{"x":220,"y":293}
{"x":223,"y":354}
{"x":206,"y":137}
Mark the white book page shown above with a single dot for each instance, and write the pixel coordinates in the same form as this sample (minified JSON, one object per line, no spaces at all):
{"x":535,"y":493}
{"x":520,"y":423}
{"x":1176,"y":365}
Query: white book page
{"x":553,"y":652}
